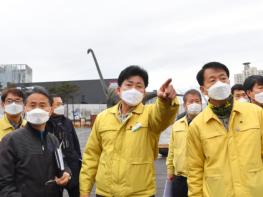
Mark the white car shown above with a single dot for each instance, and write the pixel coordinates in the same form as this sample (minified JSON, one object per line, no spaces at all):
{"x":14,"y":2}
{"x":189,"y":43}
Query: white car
{"x":165,"y":137}
{"x":164,"y":141}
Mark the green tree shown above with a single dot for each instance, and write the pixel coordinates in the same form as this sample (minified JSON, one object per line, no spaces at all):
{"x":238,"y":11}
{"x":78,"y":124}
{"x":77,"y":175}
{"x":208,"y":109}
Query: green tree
{"x":66,"y":90}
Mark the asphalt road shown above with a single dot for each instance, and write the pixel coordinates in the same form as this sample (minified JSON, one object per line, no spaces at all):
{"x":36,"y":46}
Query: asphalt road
{"x":159,"y":164}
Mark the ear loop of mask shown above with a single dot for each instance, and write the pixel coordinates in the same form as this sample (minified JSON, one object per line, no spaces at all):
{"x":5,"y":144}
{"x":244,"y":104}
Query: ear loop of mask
{"x":205,"y":98}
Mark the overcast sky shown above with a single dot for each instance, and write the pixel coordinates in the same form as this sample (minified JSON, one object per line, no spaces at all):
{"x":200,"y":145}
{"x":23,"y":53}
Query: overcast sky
{"x":168,"y":38}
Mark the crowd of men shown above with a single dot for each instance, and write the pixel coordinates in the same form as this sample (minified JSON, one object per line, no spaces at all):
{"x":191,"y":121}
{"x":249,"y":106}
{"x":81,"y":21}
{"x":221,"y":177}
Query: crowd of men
{"x":32,"y":128}
{"x":218,"y":151}
{"x":214,"y":151}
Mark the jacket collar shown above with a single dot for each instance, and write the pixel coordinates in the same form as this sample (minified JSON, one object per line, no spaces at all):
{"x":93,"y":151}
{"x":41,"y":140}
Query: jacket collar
{"x":55,"y":119}
{"x":184,"y":121}
{"x":35,"y":132}
{"x":209,"y":114}
{"x":7,"y":125}
{"x":137,"y":110}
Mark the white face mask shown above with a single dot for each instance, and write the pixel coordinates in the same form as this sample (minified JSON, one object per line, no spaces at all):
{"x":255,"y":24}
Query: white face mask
{"x":13,"y":108}
{"x":219,"y":91}
{"x":59,"y":110}
{"x":132,"y":97}
{"x":259,"y":97}
{"x":194,"y":108}
{"x":37,"y":116}
{"x":243,"y":100}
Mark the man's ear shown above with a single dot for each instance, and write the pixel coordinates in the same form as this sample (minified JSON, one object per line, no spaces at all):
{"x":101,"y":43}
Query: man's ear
{"x":202,"y":89}
{"x":25,"y":108}
{"x":250,"y":94}
{"x":50,"y":111}
{"x":185,"y":106}
{"x":118,"y":90}
{"x":144,"y":93}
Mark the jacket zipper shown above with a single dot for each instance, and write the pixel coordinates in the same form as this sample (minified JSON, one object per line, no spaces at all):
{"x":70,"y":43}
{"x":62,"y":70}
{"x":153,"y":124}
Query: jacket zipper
{"x":42,"y":142}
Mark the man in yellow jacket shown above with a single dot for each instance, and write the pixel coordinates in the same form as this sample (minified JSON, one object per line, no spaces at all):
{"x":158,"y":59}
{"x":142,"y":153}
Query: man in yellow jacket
{"x":253,"y":86}
{"x":123,"y":144}
{"x":176,"y":164}
{"x":13,"y":105}
{"x":224,"y":145}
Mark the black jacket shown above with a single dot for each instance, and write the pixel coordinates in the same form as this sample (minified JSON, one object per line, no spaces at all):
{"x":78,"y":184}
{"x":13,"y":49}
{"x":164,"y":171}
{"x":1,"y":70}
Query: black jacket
{"x":26,"y":162}
{"x":64,"y":130}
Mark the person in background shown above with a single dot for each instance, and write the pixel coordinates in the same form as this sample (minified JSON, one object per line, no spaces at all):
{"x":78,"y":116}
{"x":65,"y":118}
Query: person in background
{"x":123,"y":144}
{"x":253,"y":86}
{"x":13,"y":105}
{"x":225,"y":141}
{"x":238,"y":92}
{"x":64,"y":130}
{"x":28,"y":167}
{"x":175,"y":162}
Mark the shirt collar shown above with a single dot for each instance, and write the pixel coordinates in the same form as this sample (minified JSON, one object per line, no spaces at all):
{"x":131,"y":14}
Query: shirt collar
{"x":7,"y":125}
{"x":138,"y":109}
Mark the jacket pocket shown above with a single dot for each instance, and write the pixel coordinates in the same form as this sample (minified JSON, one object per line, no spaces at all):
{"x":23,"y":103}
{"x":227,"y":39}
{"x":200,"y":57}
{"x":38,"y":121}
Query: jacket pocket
{"x":248,"y":127}
{"x":213,"y":144}
{"x":107,"y":135}
{"x":214,"y":186}
{"x":140,"y":176}
{"x":180,"y":139}
{"x":248,"y":141}
{"x":102,"y":176}
{"x":255,"y":181}
{"x":137,"y":143}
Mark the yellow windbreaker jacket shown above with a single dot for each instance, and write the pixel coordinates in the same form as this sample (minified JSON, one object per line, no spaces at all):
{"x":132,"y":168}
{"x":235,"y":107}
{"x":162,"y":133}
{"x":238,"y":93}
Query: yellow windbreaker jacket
{"x":175,"y":161}
{"x":226,"y":162}
{"x":6,"y":127}
{"x":119,"y":157}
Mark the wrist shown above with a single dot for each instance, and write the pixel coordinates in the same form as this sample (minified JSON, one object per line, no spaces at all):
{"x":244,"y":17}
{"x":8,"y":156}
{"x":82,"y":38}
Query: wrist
{"x":68,"y":175}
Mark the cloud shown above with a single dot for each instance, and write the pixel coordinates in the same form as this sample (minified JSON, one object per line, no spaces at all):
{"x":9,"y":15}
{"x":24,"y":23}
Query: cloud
{"x":171,"y":38}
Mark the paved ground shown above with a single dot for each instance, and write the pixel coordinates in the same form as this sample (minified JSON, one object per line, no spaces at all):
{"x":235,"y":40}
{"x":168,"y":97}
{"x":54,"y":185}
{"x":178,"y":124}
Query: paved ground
{"x":159,"y":164}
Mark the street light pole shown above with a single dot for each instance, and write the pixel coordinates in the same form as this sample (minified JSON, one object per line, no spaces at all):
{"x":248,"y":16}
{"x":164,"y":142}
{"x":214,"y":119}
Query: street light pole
{"x":104,"y":87}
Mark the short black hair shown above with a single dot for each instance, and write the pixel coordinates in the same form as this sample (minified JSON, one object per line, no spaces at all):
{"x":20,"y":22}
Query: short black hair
{"x":251,"y":81}
{"x":237,"y":87}
{"x":133,"y":71}
{"x":192,"y":92}
{"x":40,"y":90}
{"x":54,"y":95}
{"x":15,"y":91}
{"x":215,"y":65}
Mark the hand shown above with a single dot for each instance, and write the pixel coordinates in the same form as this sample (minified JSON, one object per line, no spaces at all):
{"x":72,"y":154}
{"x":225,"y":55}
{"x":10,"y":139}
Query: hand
{"x":62,"y":181}
{"x":166,"y":91}
{"x":170,"y":177}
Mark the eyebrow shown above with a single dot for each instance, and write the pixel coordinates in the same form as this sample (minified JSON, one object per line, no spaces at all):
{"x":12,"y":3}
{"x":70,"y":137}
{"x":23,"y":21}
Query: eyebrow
{"x":14,"y":99}
{"x":223,"y":74}
{"x":210,"y":77}
{"x":40,"y":102}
